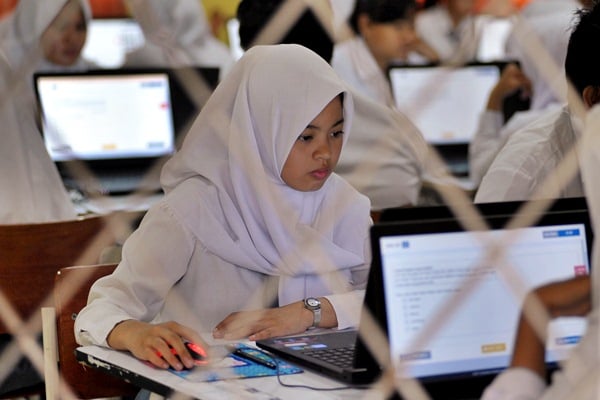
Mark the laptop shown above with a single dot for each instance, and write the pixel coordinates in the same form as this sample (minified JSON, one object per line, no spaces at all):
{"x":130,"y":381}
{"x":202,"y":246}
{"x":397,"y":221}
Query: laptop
{"x":110,"y":39}
{"x":417,"y":266}
{"x":118,"y":124}
{"x":445,"y":103}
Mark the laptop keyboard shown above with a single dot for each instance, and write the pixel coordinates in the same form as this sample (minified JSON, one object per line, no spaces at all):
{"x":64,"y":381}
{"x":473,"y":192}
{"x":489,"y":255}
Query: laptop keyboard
{"x":341,"y":356}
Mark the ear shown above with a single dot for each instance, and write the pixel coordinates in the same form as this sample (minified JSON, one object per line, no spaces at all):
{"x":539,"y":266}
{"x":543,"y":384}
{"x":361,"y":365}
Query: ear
{"x":363,"y":23}
{"x":591,"y":95}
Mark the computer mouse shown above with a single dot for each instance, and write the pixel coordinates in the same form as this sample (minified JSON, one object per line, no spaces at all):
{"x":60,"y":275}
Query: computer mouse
{"x":197,"y":352}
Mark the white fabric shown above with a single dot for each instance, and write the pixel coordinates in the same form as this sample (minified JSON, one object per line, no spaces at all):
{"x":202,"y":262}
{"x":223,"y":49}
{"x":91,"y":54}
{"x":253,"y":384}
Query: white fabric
{"x":492,"y":134}
{"x":529,"y":156}
{"x":228,"y":221}
{"x":177,"y":34}
{"x":33,"y":190}
{"x":384,"y":156}
{"x":355,"y":64}
{"x":552,"y":26}
{"x":578,"y":378}
{"x":434,"y":25}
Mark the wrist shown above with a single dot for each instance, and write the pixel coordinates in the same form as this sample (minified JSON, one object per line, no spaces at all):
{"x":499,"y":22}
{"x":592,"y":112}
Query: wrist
{"x":313,"y":306}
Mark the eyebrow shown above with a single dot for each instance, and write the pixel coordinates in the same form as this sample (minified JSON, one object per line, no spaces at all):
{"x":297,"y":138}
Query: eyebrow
{"x":341,"y":121}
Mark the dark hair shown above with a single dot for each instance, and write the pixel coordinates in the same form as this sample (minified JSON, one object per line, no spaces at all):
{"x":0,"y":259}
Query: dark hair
{"x":253,"y":15}
{"x":382,"y":11}
{"x":582,"y":64}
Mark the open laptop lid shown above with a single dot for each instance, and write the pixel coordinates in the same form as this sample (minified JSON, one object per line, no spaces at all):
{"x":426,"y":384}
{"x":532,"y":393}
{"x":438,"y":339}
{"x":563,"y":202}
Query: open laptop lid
{"x":419,"y":265}
{"x":444,"y":102}
{"x":106,"y":115}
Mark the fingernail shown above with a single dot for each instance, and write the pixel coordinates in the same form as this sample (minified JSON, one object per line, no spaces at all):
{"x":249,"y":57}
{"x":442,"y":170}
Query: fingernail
{"x":217,"y":333}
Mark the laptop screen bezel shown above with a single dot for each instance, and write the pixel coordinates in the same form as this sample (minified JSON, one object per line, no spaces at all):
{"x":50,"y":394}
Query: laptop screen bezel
{"x":571,"y":211}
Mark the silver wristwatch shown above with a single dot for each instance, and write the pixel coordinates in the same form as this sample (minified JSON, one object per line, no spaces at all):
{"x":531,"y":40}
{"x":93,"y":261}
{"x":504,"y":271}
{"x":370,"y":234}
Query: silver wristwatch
{"x":313,"y":304}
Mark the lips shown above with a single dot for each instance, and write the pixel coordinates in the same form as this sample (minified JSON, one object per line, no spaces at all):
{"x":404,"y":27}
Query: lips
{"x":321,"y":174}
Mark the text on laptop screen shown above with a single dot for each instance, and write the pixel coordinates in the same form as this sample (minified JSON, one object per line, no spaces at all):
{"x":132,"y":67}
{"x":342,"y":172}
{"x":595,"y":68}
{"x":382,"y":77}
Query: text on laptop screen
{"x":422,"y":272}
{"x":443,"y":102}
{"x":96,"y":117}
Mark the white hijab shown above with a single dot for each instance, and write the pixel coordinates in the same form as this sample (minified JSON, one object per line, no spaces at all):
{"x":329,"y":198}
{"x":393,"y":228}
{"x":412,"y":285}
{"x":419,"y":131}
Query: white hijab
{"x":177,"y":34}
{"x":32,"y":190}
{"x":225,"y":184}
{"x":21,"y":31}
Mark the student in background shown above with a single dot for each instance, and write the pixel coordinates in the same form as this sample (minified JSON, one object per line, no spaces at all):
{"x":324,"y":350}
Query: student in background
{"x":46,"y":35}
{"x":546,"y":95}
{"x":253,"y":222}
{"x":531,"y":154}
{"x":177,"y":35}
{"x":385,"y":153}
{"x":526,"y":379}
{"x":37,"y":36}
{"x":449,"y":28}
{"x":385,"y":34}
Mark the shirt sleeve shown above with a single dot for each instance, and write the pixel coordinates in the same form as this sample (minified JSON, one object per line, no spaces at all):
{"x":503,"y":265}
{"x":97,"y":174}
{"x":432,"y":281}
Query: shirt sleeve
{"x":140,"y":283}
{"x":485,"y":145}
{"x":515,"y":384}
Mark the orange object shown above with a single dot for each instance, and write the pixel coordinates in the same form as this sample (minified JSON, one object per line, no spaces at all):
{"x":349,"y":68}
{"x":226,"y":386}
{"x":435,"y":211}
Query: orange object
{"x":108,"y":8}
{"x":6,"y":6}
{"x":100,"y":8}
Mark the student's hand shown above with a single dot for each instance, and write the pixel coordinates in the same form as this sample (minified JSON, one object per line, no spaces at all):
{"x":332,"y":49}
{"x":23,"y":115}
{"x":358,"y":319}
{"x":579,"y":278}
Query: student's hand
{"x":567,"y":298}
{"x":511,"y":80}
{"x":571,"y":297}
{"x":262,"y":324}
{"x":153,"y":342}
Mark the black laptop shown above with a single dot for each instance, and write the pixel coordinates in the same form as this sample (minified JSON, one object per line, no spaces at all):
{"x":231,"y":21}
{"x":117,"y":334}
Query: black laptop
{"x":110,"y":131}
{"x":418,"y":266}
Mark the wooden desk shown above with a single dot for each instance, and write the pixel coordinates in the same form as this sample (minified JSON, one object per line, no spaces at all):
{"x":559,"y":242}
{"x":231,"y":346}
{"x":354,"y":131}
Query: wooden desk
{"x":163,"y":381}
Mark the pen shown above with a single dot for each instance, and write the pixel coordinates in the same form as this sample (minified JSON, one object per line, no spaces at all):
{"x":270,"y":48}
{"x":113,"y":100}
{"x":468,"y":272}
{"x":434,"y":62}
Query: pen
{"x":256,"y":356}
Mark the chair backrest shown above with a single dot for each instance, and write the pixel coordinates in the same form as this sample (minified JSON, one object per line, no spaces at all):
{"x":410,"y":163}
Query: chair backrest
{"x":70,"y":295}
{"x":31,"y":254}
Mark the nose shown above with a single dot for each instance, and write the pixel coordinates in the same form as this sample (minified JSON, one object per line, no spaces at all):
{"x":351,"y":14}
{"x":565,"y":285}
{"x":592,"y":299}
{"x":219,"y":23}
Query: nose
{"x":323,"y":150}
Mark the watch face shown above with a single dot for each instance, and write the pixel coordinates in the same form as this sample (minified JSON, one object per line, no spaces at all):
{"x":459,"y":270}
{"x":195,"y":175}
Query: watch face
{"x":312,"y":302}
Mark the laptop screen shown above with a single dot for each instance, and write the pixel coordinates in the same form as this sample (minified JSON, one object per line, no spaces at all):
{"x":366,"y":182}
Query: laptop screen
{"x":443,"y":102}
{"x":422,"y":271}
{"x":102,"y":116}
{"x":110,"y":39}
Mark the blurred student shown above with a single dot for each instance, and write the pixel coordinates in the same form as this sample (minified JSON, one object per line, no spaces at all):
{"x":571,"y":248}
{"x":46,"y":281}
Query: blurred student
{"x":37,"y":36}
{"x":385,"y":34}
{"x":177,"y":34}
{"x":449,"y":28}
{"x":252,"y":203}
{"x":384,"y":156}
{"x":526,"y":379}
{"x":546,"y":95}
{"x":531,"y":154}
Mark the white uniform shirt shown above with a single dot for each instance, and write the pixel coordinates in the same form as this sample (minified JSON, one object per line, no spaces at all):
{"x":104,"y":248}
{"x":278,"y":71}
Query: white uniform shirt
{"x":434,"y":25}
{"x":528,"y":157}
{"x":578,"y":378}
{"x":355,"y":64}
{"x":166,"y":274}
{"x":384,"y":156}
{"x":492,"y":134}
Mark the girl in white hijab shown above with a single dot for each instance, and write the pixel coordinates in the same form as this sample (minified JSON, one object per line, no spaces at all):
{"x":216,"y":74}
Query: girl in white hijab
{"x":177,"y":34}
{"x":31,"y":39}
{"x":251,"y":203}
